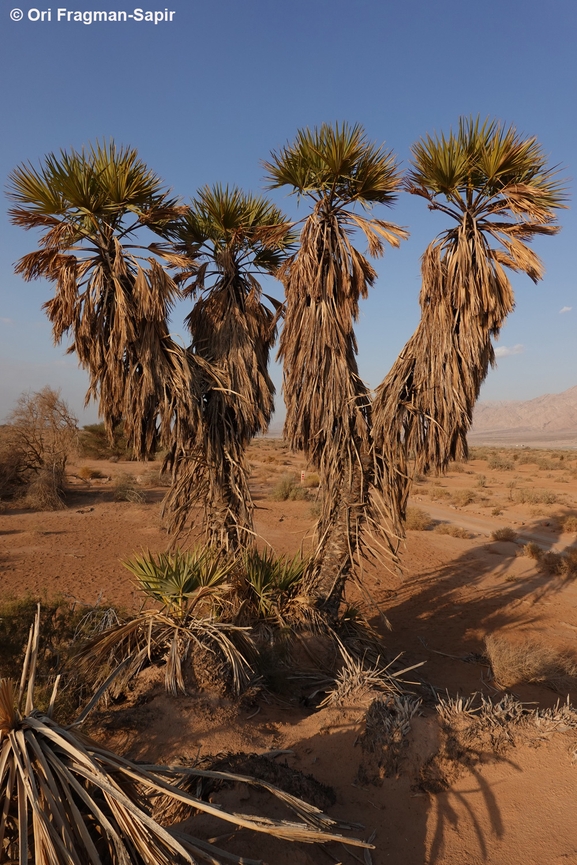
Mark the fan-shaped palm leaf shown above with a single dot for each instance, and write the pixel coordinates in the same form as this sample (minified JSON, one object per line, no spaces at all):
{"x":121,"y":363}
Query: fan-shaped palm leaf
{"x":496,"y":187}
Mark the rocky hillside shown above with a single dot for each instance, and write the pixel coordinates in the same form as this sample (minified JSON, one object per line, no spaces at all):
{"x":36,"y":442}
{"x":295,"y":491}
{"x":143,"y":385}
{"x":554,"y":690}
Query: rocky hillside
{"x":549,"y":419}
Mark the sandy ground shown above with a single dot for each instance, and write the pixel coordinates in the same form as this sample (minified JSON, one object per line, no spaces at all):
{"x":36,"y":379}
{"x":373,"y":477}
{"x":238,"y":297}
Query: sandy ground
{"x":517,"y":805}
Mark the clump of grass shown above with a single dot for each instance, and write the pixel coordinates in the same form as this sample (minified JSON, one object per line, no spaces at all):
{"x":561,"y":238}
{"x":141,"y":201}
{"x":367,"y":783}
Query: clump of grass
{"x":496,"y":512}
{"x":45,"y":491}
{"x":438,"y":492}
{"x":532,"y":550}
{"x":126,"y":489}
{"x":529,"y":660}
{"x":552,"y":564}
{"x":497,"y":463}
{"x":289,"y":489}
{"x":481,"y":481}
{"x":535,"y":497}
{"x":453,"y":531}
{"x":312,"y":481}
{"x":156,"y":478}
{"x":462,"y":498}
{"x":88,"y":474}
{"x":458,"y":467}
{"x":504,"y":534}
{"x":569,"y":524}
{"x":418,"y":520}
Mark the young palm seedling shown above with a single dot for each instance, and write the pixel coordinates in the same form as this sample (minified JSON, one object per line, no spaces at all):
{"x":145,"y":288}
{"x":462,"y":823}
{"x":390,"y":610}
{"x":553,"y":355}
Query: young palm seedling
{"x":190,"y":586}
{"x":65,"y":800}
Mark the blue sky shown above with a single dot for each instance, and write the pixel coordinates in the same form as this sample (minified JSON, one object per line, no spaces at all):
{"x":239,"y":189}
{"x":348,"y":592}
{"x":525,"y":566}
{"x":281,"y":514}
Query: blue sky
{"x":206,"y":97}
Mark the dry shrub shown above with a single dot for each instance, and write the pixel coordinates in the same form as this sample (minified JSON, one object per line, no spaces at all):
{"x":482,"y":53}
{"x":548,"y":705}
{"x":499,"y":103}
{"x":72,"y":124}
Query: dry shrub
{"x":289,"y":489}
{"x":552,"y":564}
{"x":496,"y":512}
{"x":535,"y":497}
{"x":36,"y":444}
{"x":529,"y":660}
{"x":453,"y":531}
{"x":462,"y":498}
{"x":497,"y":463}
{"x":504,"y":534}
{"x":88,"y":474}
{"x":418,"y":520}
{"x":458,"y":467}
{"x":532,"y":550}
{"x":45,"y":492}
{"x":569,"y":524}
{"x":438,"y":492}
{"x":312,"y":481}
{"x":126,"y":489}
{"x":155,"y":478}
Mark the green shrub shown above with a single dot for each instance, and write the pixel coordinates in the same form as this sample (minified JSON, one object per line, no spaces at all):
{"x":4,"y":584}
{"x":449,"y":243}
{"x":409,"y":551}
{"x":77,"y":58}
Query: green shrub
{"x":289,"y":489}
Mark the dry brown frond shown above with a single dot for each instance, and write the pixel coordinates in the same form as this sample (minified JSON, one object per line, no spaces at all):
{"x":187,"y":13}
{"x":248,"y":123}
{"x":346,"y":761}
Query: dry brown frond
{"x":65,"y":800}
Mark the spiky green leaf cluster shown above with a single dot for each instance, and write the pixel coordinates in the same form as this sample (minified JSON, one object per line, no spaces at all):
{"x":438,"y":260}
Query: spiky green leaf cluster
{"x":178,"y":579}
{"x":100,"y":183}
{"x":224,"y":221}
{"x":336,"y":161}
{"x":271,"y":580}
{"x":484,"y":168}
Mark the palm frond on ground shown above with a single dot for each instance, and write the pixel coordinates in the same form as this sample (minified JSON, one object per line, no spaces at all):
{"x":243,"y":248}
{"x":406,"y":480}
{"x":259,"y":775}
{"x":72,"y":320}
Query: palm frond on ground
{"x":65,"y":800}
{"x":328,"y":406}
{"x":496,"y":187}
{"x":231,"y":237}
{"x":112,"y":293}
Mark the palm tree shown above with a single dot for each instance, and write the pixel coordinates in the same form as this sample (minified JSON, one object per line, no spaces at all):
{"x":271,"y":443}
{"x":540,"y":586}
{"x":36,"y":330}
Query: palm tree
{"x":91,"y":207}
{"x":328,"y":406}
{"x":230,"y":237}
{"x":496,"y":187}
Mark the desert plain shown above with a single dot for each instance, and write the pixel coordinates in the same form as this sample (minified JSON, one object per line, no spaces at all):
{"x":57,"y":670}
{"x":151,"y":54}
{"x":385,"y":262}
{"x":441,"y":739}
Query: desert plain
{"x":490,"y":553}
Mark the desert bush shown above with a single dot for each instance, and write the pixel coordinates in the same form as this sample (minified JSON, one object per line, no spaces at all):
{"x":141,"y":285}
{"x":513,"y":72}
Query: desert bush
{"x":552,"y":564}
{"x":532,"y":550}
{"x":569,"y":524}
{"x":40,"y":436}
{"x":94,"y":443}
{"x":126,"y":489}
{"x":437,"y":492}
{"x":535,"y":497}
{"x":156,"y":478}
{"x":462,"y":498}
{"x":504,"y":534}
{"x":453,"y":531}
{"x":289,"y":489}
{"x":89,"y":474}
{"x":312,"y":481}
{"x":496,"y":512}
{"x":457,"y":467}
{"x":498,"y":463}
{"x":529,"y":660}
{"x":418,"y":520}
{"x":481,"y":481}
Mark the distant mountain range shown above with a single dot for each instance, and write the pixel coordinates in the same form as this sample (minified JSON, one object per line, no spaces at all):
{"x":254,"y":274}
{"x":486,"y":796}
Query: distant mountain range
{"x":547,"y":420}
